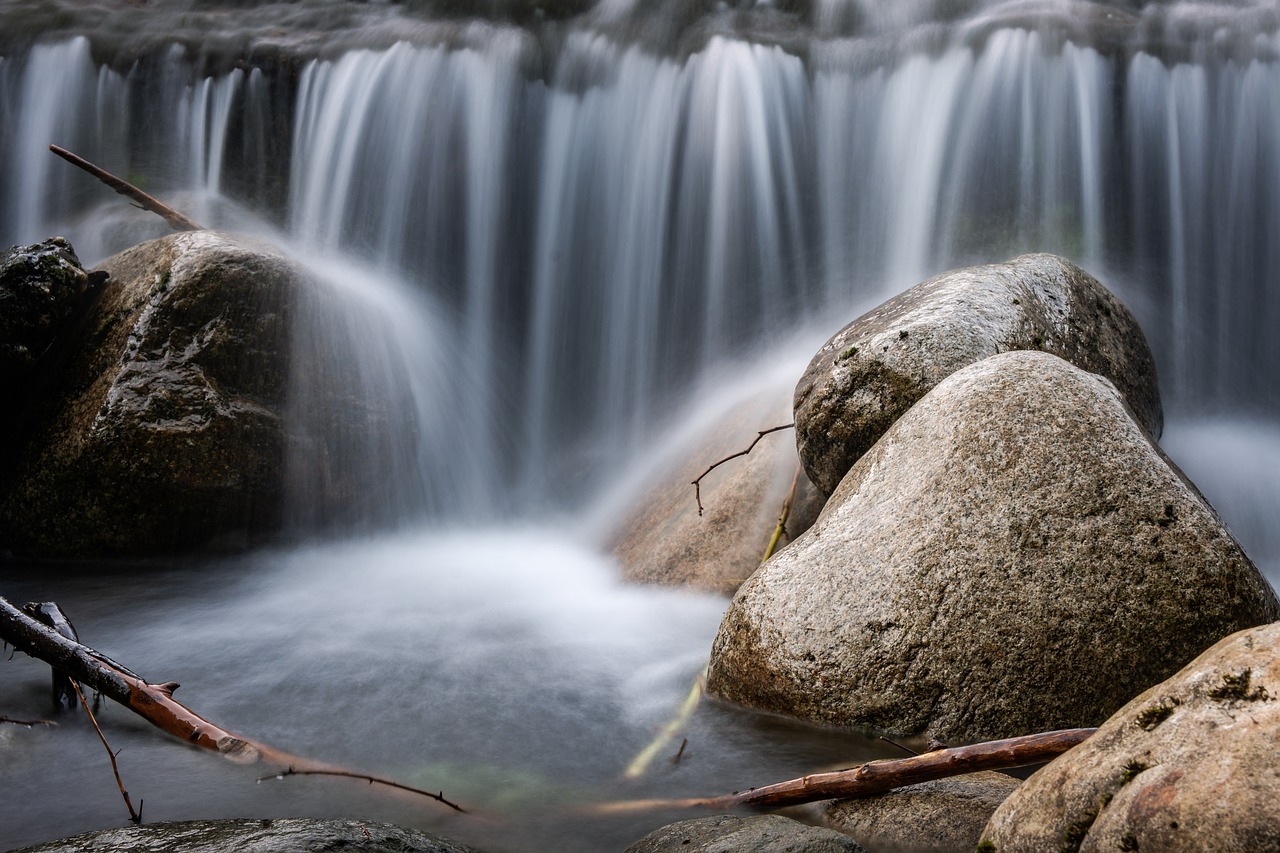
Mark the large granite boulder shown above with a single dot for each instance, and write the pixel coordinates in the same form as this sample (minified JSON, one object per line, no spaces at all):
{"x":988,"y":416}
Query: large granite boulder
{"x":168,"y":433}
{"x":942,"y":816}
{"x":760,"y":834}
{"x":1191,"y":764}
{"x":255,"y":836}
{"x":878,"y":366}
{"x":1014,"y":555}
{"x":667,"y":540}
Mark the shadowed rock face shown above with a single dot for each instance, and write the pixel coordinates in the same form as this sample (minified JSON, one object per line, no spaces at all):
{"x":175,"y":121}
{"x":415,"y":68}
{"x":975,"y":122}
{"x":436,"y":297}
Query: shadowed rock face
{"x":255,"y":836}
{"x":1014,"y":555}
{"x":877,"y":367}
{"x":40,"y":288}
{"x":1188,"y":765}
{"x":168,"y":433}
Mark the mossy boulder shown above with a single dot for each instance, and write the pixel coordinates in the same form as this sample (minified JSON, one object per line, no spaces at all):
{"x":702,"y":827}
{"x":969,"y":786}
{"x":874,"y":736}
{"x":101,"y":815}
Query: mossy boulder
{"x":167,"y":433}
{"x":666,"y":540}
{"x":255,"y":836}
{"x":1014,"y":555}
{"x":878,"y":366}
{"x":1188,"y":765}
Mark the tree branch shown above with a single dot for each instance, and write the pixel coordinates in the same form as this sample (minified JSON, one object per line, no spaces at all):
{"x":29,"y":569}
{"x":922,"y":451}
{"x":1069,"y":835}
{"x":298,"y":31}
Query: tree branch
{"x":877,"y":777}
{"x":135,"y":816}
{"x":697,"y":484}
{"x":372,"y":780}
{"x":176,"y":220}
{"x":152,"y":702}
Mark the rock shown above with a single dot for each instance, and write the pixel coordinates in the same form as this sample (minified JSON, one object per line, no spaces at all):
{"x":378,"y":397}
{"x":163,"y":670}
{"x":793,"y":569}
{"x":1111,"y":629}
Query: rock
{"x":255,"y":836}
{"x":1014,"y":555}
{"x":933,"y":817}
{"x":169,"y":434}
{"x":666,"y":541}
{"x":877,"y":367}
{"x":40,"y":288}
{"x":1188,"y":765}
{"x":762,"y":834}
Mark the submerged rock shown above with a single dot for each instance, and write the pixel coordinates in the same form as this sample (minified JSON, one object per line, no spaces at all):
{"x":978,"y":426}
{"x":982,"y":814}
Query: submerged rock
{"x":255,"y":836}
{"x":666,"y":541}
{"x":1014,"y":555}
{"x":168,"y":434}
{"x":761,"y":834}
{"x":1188,"y":765}
{"x":878,"y":366}
{"x":942,"y":816}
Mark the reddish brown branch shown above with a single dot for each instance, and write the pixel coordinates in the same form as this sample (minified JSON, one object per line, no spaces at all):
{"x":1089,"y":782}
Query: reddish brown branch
{"x":176,"y":220}
{"x":135,"y":816}
{"x":152,"y":702}
{"x":697,"y":484}
{"x":372,"y":780}
{"x":877,"y":777}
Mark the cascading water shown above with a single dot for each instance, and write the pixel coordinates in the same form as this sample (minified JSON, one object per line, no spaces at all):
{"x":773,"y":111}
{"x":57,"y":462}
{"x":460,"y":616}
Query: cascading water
{"x":550,"y":235}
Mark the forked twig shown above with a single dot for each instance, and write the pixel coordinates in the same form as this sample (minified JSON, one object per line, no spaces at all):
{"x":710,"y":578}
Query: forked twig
{"x":697,"y":484}
{"x":135,"y":816}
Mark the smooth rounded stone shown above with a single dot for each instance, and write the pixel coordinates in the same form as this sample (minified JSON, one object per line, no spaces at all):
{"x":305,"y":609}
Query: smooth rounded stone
{"x":731,"y":834}
{"x":1015,"y":555}
{"x":167,"y":430}
{"x":255,"y":836}
{"x":666,"y":541}
{"x":1191,"y":764}
{"x":874,"y":369}
{"x":941,"y":816}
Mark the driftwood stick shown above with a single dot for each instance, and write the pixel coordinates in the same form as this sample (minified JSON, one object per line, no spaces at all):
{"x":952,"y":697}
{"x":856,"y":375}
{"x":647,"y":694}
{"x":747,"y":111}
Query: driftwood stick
{"x":640,"y":764}
{"x":697,"y":483}
{"x":877,"y":777}
{"x":152,"y":702}
{"x":27,"y":723}
{"x":372,"y":780}
{"x":135,"y":816}
{"x":176,"y":220}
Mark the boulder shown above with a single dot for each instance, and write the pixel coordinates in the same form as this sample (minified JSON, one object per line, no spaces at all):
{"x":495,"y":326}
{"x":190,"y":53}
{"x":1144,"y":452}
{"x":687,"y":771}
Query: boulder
{"x":666,"y":541}
{"x":168,"y":433}
{"x":255,"y":836}
{"x":1191,"y":764}
{"x":942,"y":816}
{"x":1014,"y":555}
{"x":878,"y":366}
{"x":761,"y":834}
{"x":40,"y":288}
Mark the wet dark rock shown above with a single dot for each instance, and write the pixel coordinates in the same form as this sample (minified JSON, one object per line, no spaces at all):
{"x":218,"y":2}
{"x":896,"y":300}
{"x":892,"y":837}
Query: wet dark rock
{"x":762,"y":834}
{"x":167,"y":433}
{"x":1014,"y":555}
{"x":41,"y":288}
{"x":878,"y":366}
{"x":942,"y":816}
{"x":1188,"y":765}
{"x":255,"y":836}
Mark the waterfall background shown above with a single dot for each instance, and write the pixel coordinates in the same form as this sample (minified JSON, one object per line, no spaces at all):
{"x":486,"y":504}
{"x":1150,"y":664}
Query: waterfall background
{"x":543,"y":241}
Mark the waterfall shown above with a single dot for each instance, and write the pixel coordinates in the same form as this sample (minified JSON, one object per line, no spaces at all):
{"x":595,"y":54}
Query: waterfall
{"x":596,"y":224}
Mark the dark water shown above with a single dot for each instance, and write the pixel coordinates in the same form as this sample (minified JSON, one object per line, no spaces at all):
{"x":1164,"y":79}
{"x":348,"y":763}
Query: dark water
{"x":550,"y":240}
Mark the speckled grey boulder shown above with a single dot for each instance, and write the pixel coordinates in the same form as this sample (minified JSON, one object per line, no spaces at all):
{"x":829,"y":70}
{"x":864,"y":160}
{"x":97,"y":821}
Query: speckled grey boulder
{"x":942,"y":816}
{"x":878,"y":366}
{"x":730,"y":834}
{"x":1191,"y":764}
{"x":1015,"y":555}
{"x":255,"y":836}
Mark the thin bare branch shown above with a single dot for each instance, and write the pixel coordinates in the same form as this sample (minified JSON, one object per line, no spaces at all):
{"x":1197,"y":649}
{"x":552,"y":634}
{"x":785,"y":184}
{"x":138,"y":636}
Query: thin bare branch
{"x":697,"y":484}
{"x":372,"y":780}
{"x":135,"y":816}
{"x":27,"y":723}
